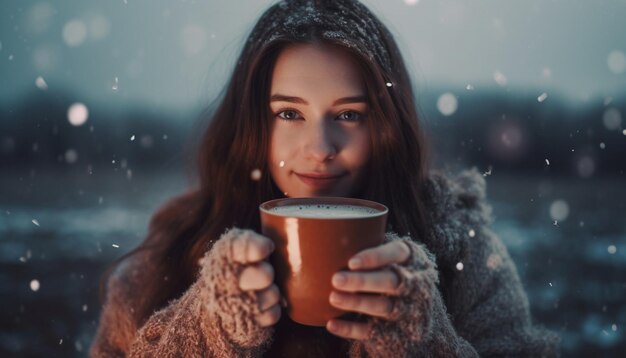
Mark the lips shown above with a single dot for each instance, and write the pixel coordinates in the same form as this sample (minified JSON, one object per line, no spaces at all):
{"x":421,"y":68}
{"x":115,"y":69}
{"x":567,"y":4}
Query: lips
{"x":320,"y":175}
{"x":319,"y":180}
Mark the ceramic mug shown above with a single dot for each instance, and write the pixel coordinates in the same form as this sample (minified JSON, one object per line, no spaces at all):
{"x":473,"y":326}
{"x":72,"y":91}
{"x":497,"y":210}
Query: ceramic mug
{"x":314,"y":238}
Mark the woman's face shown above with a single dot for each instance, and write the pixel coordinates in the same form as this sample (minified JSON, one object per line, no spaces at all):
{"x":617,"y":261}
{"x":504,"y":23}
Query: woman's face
{"x":320,"y":143}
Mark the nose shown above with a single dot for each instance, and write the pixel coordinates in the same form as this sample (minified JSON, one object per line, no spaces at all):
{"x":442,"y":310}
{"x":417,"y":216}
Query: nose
{"x":320,"y":145}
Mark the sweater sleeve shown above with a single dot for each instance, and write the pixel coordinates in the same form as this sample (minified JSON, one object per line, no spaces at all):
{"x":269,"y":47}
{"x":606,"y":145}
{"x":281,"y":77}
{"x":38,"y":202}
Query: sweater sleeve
{"x":485,"y":311}
{"x":419,"y":326}
{"x":212,"y":318}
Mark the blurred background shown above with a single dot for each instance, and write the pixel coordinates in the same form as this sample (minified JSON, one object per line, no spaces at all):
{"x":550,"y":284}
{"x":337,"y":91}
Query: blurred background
{"x":99,"y":104}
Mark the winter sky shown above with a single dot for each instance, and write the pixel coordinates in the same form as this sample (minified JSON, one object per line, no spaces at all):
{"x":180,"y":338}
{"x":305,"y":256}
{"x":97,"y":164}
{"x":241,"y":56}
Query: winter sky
{"x":179,"y":53}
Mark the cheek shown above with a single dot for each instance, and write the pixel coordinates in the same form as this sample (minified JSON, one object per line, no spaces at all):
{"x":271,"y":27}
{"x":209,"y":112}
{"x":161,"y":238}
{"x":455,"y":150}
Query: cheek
{"x":283,"y":142}
{"x":360,"y":153}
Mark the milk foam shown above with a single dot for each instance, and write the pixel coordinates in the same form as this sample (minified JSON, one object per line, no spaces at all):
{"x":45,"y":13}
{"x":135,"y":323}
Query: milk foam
{"x":327,"y":211}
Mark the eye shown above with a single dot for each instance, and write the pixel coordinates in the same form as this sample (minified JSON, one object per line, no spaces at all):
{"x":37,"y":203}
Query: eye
{"x":288,"y":115}
{"x":350,"y":116}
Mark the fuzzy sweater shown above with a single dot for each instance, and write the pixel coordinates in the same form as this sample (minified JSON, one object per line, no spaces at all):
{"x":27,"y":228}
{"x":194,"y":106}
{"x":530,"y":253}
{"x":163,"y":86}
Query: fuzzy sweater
{"x":443,"y":310}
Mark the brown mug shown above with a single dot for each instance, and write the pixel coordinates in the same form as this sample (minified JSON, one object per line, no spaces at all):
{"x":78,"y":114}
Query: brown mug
{"x":314,"y":238}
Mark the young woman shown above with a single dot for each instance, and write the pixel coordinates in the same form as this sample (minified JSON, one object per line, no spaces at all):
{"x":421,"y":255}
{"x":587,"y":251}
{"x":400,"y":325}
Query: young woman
{"x":320,"y":104}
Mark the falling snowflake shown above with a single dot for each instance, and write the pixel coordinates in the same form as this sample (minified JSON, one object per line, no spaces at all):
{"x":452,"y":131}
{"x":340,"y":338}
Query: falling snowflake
{"x":256,"y":175}
{"x":547,"y":162}
{"x":614,"y":327}
{"x":459,"y":266}
{"x":132,"y":138}
{"x":612,"y":249}
{"x":550,"y":283}
{"x":115,"y":246}
{"x":472,"y":233}
{"x":469,"y":87}
{"x":60,"y":341}
{"x":115,"y":85}
{"x":555,"y":223}
{"x":602,"y":145}
{"x":34,"y":221}
{"x":494,"y":261}
{"x":500,"y":78}
{"x":389,"y":84}
{"x":542,"y":97}
{"x":41,"y":83}
{"x":34,"y":285}
{"x":624,"y":132}
{"x":84,"y":308}
{"x":487,"y":173}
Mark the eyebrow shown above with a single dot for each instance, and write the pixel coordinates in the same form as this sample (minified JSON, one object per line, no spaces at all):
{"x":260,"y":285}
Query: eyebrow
{"x":344,"y":100}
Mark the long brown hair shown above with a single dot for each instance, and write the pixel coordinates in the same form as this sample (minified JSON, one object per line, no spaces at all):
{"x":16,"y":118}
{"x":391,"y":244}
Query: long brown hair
{"x":236,"y":141}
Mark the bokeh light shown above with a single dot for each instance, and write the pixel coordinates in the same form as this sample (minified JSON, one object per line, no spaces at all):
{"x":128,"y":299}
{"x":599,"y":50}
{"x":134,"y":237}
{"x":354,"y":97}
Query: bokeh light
{"x":616,"y":62}
{"x":447,"y":104}
{"x":74,"y":33}
{"x":612,"y":118}
{"x":34,"y":285}
{"x":77,"y":114}
{"x":99,"y":27}
{"x":193,"y":39}
{"x":586,"y":166}
{"x":71,"y":156}
{"x":559,"y":210}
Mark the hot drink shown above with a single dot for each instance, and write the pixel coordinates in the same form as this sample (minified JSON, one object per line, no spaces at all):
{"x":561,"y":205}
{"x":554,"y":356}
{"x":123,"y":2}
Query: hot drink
{"x":315,"y":237}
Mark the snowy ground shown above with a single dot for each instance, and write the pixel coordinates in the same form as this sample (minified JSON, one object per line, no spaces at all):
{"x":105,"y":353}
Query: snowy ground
{"x":57,"y":235}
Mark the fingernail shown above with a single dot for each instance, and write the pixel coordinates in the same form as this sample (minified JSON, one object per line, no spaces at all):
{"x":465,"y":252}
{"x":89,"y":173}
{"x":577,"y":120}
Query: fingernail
{"x":355,"y":263}
{"x":334,"y":298}
{"x":331,"y":326}
{"x":339,"y":279}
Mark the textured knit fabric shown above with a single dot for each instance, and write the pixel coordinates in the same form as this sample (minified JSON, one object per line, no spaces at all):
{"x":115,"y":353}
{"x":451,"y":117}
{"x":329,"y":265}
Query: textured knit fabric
{"x":442,"y":310}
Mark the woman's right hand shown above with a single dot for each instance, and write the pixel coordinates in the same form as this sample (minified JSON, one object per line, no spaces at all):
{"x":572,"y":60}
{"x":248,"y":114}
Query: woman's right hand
{"x":252,"y":250}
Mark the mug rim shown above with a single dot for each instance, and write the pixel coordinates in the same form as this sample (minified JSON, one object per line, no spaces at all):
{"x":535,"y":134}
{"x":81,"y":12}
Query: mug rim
{"x":332,"y":200}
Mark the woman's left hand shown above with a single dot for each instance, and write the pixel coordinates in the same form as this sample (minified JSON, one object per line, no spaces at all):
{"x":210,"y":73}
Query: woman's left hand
{"x":367,"y":292}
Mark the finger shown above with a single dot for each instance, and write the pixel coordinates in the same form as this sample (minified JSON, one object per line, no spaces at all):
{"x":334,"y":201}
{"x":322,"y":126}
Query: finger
{"x":251,"y":247}
{"x":390,"y":253}
{"x":268,"y":317}
{"x":383,"y":281}
{"x":349,"y":330}
{"x":373,"y":305}
{"x":268,"y":297}
{"x":256,"y":277}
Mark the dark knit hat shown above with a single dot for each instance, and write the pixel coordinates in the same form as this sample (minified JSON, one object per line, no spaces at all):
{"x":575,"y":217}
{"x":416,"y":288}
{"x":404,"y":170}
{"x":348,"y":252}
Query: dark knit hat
{"x":345,"y":22}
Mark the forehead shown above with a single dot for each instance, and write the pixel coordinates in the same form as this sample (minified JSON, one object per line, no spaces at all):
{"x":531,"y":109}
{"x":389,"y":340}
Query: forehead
{"x":316,"y":67}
